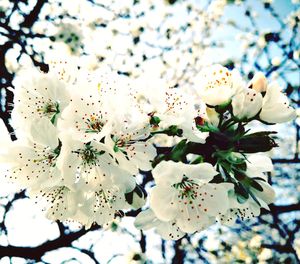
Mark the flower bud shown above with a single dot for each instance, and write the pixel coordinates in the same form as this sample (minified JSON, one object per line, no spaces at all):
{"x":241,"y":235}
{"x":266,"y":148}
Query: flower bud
{"x":259,"y":82}
{"x":212,"y":116}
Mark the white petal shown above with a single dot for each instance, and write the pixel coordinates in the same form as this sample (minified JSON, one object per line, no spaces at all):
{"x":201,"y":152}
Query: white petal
{"x":193,"y":134}
{"x":261,"y":162}
{"x":276,"y":107}
{"x":200,"y":173}
{"x":246,"y":104}
{"x":142,"y":154}
{"x":190,"y":219}
{"x":146,"y":220}
{"x":168,"y":173}
{"x":169,"y":230}
{"x":268,"y":193}
{"x":163,"y":202}
{"x":212,"y":199}
{"x":43,"y":132}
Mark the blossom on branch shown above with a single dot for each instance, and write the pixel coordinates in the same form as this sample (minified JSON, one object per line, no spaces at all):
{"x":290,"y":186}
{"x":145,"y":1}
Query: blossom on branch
{"x":89,"y":145}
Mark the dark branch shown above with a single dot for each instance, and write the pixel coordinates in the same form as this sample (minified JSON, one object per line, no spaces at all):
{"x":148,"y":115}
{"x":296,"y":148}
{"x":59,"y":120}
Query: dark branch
{"x":33,"y":15}
{"x":36,"y":253}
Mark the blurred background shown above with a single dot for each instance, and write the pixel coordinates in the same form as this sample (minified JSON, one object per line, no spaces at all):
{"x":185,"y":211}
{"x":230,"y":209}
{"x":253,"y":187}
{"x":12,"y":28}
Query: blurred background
{"x":172,"y":40}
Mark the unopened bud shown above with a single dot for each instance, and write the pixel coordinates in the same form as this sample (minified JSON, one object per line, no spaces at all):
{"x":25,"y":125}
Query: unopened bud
{"x":259,"y":82}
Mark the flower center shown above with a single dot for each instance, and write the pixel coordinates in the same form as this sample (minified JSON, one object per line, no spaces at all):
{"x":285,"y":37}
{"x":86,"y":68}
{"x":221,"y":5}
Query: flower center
{"x":94,"y":124}
{"x":121,"y":143}
{"x":49,"y":108}
{"x":48,"y":158}
{"x":218,"y":78}
{"x":187,"y":189}
{"x":89,"y":155}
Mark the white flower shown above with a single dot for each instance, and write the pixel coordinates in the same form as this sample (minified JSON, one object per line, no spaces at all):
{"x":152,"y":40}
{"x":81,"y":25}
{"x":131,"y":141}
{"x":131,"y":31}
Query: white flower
{"x":90,"y":164}
{"x":96,"y":111}
{"x":257,"y":165}
{"x":86,"y":117}
{"x":246,"y":104}
{"x":276,"y":61}
{"x":129,"y":142}
{"x":173,"y":106}
{"x":102,"y":205}
{"x":90,"y":170}
{"x":38,"y":95}
{"x":167,"y":230}
{"x":276,"y":108}
{"x":183,"y":194}
{"x":100,"y":102}
{"x":59,"y":202}
{"x":33,"y":163}
{"x":265,"y":254}
{"x":216,"y":84}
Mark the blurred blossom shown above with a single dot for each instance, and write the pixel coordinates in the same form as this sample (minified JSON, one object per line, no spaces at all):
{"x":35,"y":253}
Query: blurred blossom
{"x":265,"y":254}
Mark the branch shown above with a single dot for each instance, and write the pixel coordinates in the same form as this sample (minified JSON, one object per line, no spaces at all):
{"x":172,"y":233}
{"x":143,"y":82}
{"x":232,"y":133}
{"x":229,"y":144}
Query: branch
{"x":279,"y":248}
{"x":281,"y":209}
{"x":33,"y":15}
{"x":36,"y":253}
{"x":179,"y":255}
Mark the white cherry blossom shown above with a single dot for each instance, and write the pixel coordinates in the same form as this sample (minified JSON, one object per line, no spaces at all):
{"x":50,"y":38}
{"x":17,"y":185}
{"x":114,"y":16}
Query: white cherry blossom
{"x":59,"y":202}
{"x":33,"y":163}
{"x":276,"y":108}
{"x":172,"y":106}
{"x":130,"y":144}
{"x":101,"y":205}
{"x":216,"y":84}
{"x":246,"y":104}
{"x":257,"y":166}
{"x":38,"y":95}
{"x":183,"y":194}
{"x":90,"y":164}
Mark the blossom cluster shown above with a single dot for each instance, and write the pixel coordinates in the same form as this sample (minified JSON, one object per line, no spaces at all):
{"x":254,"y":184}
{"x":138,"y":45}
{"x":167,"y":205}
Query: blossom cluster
{"x":86,"y":139}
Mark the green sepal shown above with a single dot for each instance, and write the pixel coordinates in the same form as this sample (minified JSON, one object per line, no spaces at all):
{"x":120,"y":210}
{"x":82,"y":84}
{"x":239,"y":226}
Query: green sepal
{"x":207,"y":127}
{"x":198,"y":160}
{"x":179,"y":151}
{"x":255,"y":142}
{"x":256,"y":185}
{"x":241,"y":192}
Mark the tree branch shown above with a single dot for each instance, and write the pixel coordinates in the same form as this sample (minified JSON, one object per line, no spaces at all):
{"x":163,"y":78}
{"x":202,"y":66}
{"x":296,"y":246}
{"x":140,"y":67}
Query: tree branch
{"x":33,"y":15}
{"x":36,"y":253}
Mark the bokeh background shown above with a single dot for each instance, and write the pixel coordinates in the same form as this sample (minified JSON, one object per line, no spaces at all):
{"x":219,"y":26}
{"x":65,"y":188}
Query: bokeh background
{"x":172,"y":40}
